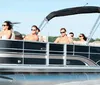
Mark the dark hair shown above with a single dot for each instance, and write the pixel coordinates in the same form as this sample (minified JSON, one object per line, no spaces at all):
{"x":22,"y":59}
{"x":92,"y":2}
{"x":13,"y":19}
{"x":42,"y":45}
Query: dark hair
{"x":84,"y":37}
{"x":9,"y":24}
{"x":63,"y":29}
{"x":36,"y":27}
{"x":72,"y":34}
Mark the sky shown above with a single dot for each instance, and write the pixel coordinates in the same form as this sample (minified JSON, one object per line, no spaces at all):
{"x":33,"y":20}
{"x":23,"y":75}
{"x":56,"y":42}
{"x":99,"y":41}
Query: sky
{"x":32,"y":12}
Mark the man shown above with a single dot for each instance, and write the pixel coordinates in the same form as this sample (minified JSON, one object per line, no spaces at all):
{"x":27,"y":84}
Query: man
{"x":33,"y":36}
{"x":63,"y":38}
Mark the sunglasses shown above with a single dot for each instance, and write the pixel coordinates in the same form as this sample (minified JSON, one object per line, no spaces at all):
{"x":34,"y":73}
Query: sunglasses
{"x":72,"y":36}
{"x":33,"y":29}
{"x":4,"y":25}
{"x":62,"y":32}
{"x":80,"y":36}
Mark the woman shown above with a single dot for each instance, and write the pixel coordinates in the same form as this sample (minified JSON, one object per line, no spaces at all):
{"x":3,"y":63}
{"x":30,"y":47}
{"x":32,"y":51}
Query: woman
{"x":82,"y":39}
{"x":33,"y":35}
{"x":6,"y":32}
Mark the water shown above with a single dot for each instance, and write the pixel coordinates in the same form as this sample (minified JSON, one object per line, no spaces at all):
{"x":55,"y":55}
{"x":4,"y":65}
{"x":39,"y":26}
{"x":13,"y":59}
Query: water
{"x":53,"y":79}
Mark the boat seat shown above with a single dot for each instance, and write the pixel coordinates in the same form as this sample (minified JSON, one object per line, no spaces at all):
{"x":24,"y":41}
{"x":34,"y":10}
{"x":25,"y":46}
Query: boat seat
{"x":13,"y":36}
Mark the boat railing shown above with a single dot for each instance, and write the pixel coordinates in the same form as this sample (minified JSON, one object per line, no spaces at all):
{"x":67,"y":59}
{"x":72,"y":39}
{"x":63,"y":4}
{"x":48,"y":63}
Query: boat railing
{"x":47,"y":53}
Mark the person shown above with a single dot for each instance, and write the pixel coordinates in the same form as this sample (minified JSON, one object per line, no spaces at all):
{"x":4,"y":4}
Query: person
{"x":82,"y":39}
{"x":71,"y":36}
{"x":33,"y":36}
{"x":63,"y":38}
{"x":6,"y":32}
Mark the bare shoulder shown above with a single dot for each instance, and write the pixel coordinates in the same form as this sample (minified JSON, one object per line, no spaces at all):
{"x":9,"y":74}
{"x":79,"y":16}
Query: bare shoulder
{"x":9,"y":31}
{"x":57,"y":40}
{"x":28,"y":35}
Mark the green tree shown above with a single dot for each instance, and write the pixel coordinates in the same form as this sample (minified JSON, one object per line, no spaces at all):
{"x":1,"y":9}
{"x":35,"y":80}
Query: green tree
{"x":97,"y":39}
{"x":76,"y":39}
{"x":51,"y":38}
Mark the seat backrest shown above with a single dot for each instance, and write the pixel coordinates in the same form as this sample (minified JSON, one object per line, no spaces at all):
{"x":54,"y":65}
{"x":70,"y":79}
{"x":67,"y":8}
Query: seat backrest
{"x":13,"y":36}
{"x":43,"y":39}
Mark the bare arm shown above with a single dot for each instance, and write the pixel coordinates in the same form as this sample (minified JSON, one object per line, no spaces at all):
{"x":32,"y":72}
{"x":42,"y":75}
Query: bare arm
{"x":36,"y":38}
{"x":26,"y":37}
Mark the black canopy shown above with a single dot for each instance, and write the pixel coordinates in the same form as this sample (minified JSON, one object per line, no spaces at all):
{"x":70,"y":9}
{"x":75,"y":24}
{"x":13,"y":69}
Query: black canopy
{"x":72,"y":11}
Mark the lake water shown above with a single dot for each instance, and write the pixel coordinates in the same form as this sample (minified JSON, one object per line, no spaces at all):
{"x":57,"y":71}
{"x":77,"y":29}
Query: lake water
{"x":53,"y":79}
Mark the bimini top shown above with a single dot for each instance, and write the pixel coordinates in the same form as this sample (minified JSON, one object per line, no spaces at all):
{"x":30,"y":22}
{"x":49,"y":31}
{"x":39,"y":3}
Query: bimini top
{"x":72,"y":11}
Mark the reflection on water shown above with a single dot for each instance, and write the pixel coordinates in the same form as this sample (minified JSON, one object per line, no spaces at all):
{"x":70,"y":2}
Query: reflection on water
{"x":51,"y":79}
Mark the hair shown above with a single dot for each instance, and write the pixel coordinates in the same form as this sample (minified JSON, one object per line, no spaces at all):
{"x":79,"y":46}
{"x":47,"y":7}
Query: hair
{"x":9,"y":24}
{"x":72,"y":34}
{"x":63,"y":29}
{"x":84,"y":37}
{"x":36,"y":27}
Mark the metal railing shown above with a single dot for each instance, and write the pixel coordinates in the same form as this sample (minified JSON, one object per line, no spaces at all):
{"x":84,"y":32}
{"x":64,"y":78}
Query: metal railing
{"x":47,"y":53}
